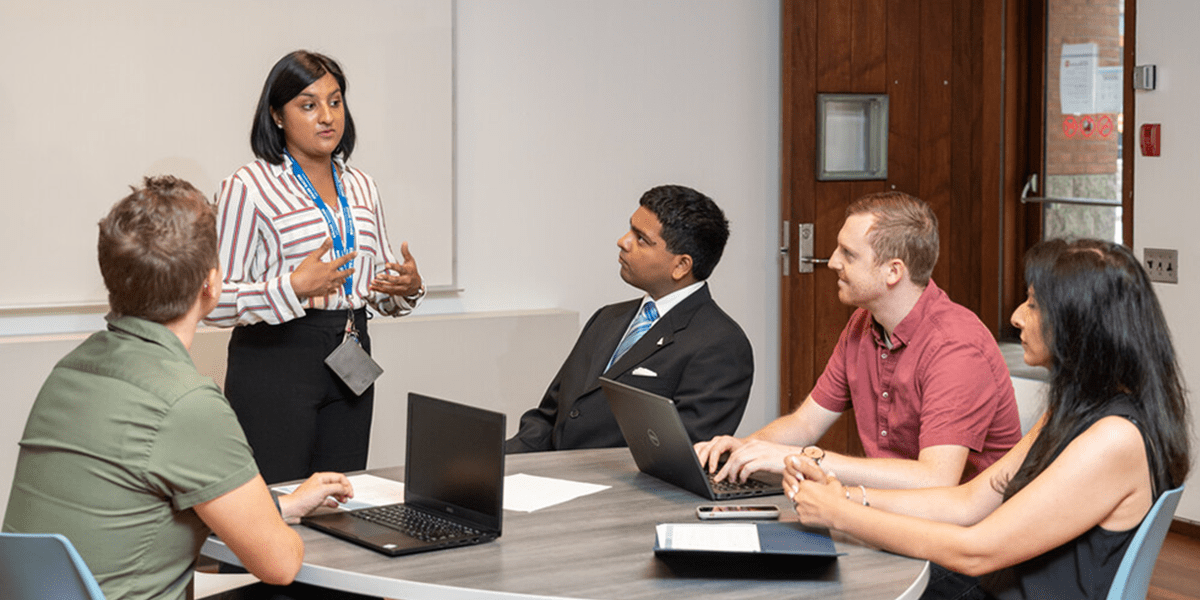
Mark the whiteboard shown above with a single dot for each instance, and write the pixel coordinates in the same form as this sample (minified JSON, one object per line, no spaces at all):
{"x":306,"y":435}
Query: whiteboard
{"x":96,"y":95}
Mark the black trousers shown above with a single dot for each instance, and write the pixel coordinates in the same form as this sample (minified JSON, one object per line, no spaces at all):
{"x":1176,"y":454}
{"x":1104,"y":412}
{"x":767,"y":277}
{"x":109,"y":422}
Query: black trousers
{"x":945,"y":584}
{"x":297,"y":415}
{"x":296,"y":591}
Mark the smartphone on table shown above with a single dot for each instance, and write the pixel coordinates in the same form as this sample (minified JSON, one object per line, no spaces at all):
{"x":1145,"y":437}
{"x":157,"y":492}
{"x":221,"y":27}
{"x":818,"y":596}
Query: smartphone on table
{"x":737,"y":511}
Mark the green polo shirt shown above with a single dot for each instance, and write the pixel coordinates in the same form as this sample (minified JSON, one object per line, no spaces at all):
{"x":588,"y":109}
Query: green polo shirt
{"x":124,"y":439}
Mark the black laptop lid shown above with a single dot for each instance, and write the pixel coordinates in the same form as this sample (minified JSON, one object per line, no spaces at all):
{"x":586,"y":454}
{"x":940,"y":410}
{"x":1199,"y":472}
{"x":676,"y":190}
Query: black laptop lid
{"x":455,"y":461}
{"x":656,"y":436}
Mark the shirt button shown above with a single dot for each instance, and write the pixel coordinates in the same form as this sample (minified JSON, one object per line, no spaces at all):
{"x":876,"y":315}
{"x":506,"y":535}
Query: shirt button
{"x":885,"y":394}
{"x":574,"y":414}
{"x":883,"y":356}
{"x":883,"y":433}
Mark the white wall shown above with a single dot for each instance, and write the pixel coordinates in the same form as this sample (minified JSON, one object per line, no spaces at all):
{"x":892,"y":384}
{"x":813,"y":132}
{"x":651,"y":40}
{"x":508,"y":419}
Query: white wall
{"x":1167,"y":187}
{"x":568,"y":111}
{"x":565,"y":113}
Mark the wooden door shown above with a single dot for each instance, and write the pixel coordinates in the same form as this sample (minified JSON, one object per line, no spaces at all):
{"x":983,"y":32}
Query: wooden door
{"x":940,"y":62}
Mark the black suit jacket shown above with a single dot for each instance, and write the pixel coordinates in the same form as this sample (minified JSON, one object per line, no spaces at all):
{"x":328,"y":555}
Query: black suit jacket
{"x":697,"y":354}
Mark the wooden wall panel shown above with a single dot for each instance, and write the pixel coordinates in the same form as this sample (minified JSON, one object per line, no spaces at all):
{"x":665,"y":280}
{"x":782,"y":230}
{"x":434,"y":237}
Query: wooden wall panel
{"x":869,"y":48}
{"x":798,"y":155}
{"x":904,"y":98}
{"x":834,"y":32}
{"x":935,"y":56}
{"x":965,"y":204}
{"x":868,"y":66}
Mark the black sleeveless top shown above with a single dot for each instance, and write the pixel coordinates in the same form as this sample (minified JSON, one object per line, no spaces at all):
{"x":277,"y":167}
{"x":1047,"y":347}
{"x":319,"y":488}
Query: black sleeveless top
{"x":1085,"y":566}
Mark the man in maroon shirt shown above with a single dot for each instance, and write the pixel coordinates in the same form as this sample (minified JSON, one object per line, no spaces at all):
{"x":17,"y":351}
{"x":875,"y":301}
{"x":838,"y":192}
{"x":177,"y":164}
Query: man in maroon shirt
{"x":932,"y":395}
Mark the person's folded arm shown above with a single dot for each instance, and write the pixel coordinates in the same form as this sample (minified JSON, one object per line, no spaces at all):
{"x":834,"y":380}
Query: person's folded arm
{"x":1100,"y":478}
{"x":964,"y":504}
{"x":936,"y":466}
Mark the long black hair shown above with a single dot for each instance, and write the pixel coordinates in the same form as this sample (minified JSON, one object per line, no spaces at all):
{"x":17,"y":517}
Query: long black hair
{"x":286,"y":80}
{"x":1108,"y":337}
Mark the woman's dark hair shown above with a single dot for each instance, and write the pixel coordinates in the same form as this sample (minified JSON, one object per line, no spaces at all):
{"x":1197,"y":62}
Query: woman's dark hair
{"x":1107,"y":335}
{"x":286,"y":80}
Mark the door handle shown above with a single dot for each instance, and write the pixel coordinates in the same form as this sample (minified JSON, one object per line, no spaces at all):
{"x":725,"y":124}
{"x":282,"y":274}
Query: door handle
{"x":785,"y":245}
{"x":805,"y":259}
{"x":1031,"y":185}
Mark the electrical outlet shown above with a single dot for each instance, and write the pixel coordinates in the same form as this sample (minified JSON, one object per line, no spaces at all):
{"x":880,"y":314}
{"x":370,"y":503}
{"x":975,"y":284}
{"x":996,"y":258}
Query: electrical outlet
{"x":1163,"y":265}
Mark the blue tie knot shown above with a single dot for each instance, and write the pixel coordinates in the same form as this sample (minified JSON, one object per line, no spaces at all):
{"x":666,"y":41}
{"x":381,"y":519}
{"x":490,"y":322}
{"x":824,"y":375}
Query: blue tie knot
{"x":649,"y":312}
{"x":644,"y":320}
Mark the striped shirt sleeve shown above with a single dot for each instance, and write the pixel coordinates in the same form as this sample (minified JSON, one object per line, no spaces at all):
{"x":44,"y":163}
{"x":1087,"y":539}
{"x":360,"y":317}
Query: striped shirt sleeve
{"x":257,"y":287}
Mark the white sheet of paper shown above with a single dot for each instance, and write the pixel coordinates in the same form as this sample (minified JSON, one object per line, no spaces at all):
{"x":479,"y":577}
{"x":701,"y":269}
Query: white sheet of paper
{"x":369,"y":490}
{"x":531,"y":492}
{"x":1077,"y":78}
{"x":716,"y":537}
{"x":522,"y":492}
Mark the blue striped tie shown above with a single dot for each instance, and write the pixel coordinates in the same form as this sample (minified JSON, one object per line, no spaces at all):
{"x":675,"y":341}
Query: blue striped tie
{"x":646,"y":318}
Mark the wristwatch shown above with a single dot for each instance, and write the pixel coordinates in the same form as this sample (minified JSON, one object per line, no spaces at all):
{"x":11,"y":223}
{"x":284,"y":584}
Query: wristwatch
{"x":815,"y":453}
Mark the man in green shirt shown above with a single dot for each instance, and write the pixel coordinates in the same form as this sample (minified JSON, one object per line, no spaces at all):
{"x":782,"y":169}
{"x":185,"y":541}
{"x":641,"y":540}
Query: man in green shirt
{"x":132,"y":454}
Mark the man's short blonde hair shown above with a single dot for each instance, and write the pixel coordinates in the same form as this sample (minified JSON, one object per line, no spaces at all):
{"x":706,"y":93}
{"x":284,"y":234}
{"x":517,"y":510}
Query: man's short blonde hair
{"x":905,"y":227}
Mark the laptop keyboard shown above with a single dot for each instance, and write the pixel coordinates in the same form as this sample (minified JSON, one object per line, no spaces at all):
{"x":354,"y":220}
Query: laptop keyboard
{"x":733,"y":486}
{"x":416,"y":523}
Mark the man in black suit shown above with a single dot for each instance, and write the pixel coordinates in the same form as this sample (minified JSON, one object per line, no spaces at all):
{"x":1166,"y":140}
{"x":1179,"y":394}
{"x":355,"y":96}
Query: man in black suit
{"x":674,"y":341}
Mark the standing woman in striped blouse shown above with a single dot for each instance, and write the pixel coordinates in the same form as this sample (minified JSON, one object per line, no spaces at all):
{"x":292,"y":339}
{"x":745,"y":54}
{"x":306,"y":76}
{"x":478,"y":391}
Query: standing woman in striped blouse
{"x":304,"y":250}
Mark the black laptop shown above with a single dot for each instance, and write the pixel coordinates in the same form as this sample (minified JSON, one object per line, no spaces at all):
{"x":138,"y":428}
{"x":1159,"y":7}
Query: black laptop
{"x":453,"y":484}
{"x":661,"y":446}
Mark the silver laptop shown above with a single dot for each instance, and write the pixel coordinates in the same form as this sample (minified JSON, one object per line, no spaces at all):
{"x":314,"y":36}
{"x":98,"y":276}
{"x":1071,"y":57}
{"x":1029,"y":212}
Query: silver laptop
{"x":453,"y":484}
{"x":661,"y":446}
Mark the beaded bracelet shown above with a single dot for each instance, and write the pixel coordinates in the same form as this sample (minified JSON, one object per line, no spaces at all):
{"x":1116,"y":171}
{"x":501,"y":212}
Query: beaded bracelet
{"x":861,"y":488}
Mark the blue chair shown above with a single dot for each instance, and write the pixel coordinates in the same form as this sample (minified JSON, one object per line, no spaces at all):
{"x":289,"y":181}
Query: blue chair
{"x":34,"y":566}
{"x":1133,"y":576}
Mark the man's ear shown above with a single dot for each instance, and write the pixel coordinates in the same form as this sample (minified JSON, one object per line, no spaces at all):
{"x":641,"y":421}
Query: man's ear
{"x":212,"y":284}
{"x":897,"y":271}
{"x":683,"y":267}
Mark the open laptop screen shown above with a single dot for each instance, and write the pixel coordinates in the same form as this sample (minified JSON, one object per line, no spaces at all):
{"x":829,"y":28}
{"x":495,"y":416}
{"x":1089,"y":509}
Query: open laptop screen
{"x":455,"y":460}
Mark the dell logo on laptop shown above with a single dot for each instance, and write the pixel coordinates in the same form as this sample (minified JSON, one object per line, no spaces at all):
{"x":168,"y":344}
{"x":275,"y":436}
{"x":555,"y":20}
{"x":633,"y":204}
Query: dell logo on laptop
{"x":653,"y":436}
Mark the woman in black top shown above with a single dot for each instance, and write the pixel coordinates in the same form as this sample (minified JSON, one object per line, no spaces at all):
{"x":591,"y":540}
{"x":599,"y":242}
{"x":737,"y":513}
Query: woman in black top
{"x":1054,"y":516}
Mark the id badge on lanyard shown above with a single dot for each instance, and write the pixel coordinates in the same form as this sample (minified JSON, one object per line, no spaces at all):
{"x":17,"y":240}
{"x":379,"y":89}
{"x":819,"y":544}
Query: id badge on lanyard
{"x":340,"y":248}
{"x":351,"y":363}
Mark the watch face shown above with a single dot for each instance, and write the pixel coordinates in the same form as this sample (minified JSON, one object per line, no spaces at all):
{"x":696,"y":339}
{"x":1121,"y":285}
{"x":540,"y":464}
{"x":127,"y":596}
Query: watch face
{"x":814,"y":453}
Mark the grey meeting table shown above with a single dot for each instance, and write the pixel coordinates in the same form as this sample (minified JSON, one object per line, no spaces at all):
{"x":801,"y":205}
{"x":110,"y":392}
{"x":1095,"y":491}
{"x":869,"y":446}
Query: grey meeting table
{"x":597,"y":546}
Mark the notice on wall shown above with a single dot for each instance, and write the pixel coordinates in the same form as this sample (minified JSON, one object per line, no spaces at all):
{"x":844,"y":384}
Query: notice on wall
{"x":1077,"y":78}
{"x":1110,"y":87}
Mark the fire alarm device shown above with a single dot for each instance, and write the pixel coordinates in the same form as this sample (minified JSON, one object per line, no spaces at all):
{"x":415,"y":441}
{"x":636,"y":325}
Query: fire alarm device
{"x":1151,"y":139}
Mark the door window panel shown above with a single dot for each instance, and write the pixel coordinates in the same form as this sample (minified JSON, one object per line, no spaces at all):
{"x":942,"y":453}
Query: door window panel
{"x":1084,"y":119}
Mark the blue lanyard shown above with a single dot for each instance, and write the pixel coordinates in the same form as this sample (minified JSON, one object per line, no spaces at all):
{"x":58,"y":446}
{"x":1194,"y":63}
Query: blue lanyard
{"x":339,"y":249}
